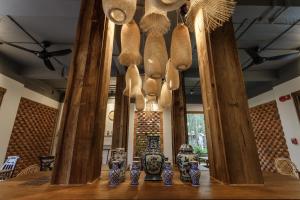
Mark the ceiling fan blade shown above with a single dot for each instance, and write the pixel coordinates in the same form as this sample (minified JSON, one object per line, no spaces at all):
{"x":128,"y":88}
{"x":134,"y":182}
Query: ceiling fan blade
{"x":19,"y":47}
{"x":48,"y":64}
{"x":59,"y":53}
{"x":273,"y":58}
{"x":248,"y":66}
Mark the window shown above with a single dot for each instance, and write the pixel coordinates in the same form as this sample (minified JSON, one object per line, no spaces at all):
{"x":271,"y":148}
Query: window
{"x":296,"y":97}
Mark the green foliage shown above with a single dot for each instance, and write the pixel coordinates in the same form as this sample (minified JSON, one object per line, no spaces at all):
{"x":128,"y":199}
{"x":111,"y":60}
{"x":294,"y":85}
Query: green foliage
{"x":200,"y":151}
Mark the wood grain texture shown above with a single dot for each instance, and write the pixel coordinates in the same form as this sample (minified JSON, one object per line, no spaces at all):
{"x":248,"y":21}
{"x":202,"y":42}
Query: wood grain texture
{"x":79,"y":149}
{"x":2,"y":93}
{"x":121,"y":116}
{"x":179,"y":118}
{"x":232,"y":150}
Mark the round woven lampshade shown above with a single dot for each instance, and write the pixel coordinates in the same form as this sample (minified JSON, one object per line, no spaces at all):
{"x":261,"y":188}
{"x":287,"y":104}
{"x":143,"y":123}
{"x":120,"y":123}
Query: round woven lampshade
{"x":133,"y":81}
{"x":155,"y":56}
{"x":216,"y":11}
{"x":155,"y":20}
{"x":139,"y":101}
{"x":151,"y":87}
{"x":181,"y":48}
{"x":119,"y":11}
{"x":165,"y":97}
{"x":130,"y":43}
{"x":168,"y":5}
{"x":172,"y":76}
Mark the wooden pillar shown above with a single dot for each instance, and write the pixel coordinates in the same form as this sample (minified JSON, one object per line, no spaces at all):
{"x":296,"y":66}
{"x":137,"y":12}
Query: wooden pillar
{"x":79,"y":150}
{"x":232,"y":150}
{"x":179,"y":118}
{"x":121,"y":117}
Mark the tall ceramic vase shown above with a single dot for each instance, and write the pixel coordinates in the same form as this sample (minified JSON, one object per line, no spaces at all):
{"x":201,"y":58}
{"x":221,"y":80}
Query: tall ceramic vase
{"x":168,"y":174}
{"x":184,"y":157}
{"x":195,"y":173}
{"x":135,"y":173}
{"x":114,"y":174}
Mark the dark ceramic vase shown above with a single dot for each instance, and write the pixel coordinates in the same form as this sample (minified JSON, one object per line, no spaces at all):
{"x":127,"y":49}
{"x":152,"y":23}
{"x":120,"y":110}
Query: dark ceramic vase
{"x":135,"y":173}
{"x":114,"y":174}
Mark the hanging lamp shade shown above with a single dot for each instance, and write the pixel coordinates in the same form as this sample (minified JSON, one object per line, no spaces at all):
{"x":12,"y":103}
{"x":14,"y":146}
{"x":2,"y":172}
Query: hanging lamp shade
{"x":151,"y":87}
{"x":139,"y":101}
{"x":150,"y":99}
{"x":172,"y":77}
{"x":168,"y":5}
{"x":155,"y":20}
{"x":216,"y":11}
{"x":181,"y":48}
{"x":155,"y":56}
{"x":165,"y":99}
{"x":130,"y":43}
{"x":133,"y":81}
{"x":119,"y":11}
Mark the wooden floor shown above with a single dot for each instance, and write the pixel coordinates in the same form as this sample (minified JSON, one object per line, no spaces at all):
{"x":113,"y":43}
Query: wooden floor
{"x":37,"y":187}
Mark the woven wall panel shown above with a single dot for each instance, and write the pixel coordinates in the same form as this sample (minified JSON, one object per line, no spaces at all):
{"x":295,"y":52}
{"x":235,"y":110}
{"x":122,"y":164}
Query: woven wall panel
{"x":32,"y":133}
{"x":269,"y":135}
{"x":144,"y":123}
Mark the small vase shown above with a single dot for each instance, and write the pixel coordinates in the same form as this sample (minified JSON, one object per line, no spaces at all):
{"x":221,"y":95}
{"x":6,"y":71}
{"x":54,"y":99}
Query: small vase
{"x":195,"y":173}
{"x":135,"y":173}
{"x":114,"y":174}
{"x":168,"y":174}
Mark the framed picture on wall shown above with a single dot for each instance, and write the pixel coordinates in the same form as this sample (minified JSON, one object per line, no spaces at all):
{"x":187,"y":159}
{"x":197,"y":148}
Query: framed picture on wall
{"x":2,"y":92}
{"x":296,"y":97}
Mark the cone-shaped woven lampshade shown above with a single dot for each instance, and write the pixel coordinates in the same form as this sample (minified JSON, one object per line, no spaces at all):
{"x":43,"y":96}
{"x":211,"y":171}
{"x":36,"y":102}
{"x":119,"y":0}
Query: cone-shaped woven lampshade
{"x":168,"y":5}
{"x":130,"y":42}
{"x":216,"y":11}
{"x":151,"y":87}
{"x":154,"y":20}
{"x":150,"y":99}
{"x":139,"y":101}
{"x":165,"y":97}
{"x":155,"y":56}
{"x":133,"y":81}
{"x":172,"y":77}
{"x":181,"y":48}
{"x":119,"y":11}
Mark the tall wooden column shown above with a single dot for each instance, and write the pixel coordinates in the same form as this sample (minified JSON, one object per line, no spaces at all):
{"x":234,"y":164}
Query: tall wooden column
{"x":232,"y":150}
{"x":121,"y":117}
{"x":79,"y":150}
{"x":179,"y":118}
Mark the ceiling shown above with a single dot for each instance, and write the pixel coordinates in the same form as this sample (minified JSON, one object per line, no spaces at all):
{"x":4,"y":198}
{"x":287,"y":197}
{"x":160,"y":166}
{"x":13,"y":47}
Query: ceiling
{"x":257,"y":23}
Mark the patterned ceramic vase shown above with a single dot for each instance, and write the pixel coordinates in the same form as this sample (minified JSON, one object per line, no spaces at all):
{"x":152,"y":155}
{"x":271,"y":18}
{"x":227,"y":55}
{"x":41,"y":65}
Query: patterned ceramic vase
{"x":195,"y":173}
{"x":138,"y":159}
{"x":120,"y":155}
{"x":135,"y":173}
{"x":168,"y":174}
{"x":153,"y":159}
{"x":114,"y":174}
{"x":184,"y":157}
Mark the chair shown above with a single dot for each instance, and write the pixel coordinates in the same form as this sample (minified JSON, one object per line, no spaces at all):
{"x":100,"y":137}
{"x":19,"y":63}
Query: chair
{"x":31,"y":170}
{"x":286,"y":167}
{"x":8,"y":167}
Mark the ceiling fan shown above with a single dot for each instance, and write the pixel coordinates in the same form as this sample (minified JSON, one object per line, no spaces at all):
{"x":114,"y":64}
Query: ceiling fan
{"x":44,"y":54}
{"x":257,"y":59}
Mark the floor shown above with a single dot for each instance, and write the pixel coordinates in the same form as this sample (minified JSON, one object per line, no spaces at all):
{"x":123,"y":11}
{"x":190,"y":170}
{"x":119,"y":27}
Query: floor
{"x":37,"y":187}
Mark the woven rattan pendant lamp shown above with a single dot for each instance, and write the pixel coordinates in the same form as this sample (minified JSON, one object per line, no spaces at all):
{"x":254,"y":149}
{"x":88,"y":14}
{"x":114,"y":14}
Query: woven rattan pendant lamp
{"x":119,"y":11}
{"x":172,"y":77}
{"x":130,"y":43}
{"x":168,"y":5}
{"x":151,"y":87}
{"x":155,"y":56}
{"x":165,"y":98}
{"x":155,"y":20}
{"x":139,"y":101}
{"x":181,"y":48}
{"x":216,"y":11}
{"x":133,"y":81}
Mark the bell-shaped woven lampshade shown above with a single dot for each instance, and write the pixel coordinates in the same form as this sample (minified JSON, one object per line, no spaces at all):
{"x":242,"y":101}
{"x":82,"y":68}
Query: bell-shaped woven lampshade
{"x":181,"y":48}
{"x":130,"y":43}
{"x":216,"y":11}
{"x":172,"y":77}
{"x":133,"y":81}
{"x":150,"y":99}
{"x":151,"y":87}
{"x":139,"y":101}
{"x":155,"y":56}
{"x":155,"y":20}
{"x":119,"y":11}
{"x":165,"y":98}
{"x":168,"y":5}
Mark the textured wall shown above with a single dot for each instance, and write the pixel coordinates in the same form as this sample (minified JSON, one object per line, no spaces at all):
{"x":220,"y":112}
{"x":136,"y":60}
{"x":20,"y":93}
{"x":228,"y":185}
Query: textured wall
{"x":269,"y":135}
{"x":32,"y":133}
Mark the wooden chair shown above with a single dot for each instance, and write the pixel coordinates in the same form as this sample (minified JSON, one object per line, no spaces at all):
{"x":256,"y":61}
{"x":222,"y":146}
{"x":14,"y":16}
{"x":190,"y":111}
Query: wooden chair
{"x":31,"y":170}
{"x":286,"y":167}
{"x":8,"y":167}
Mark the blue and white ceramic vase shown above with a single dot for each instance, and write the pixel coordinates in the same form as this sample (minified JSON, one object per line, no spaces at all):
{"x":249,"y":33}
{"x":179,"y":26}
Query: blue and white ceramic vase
{"x":168,"y":174}
{"x":135,"y":172}
{"x":183,"y":159}
{"x":195,"y":173}
{"x":120,"y":155}
{"x":114,"y":174}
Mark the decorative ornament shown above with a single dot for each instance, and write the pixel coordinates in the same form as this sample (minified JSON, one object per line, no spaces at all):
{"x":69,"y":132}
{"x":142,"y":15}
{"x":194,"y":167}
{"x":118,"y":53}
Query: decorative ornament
{"x":130,"y":43}
{"x":172,"y":77}
{"x":181,"y":48}
{"x":133,"y":81}
{"x":165,"y":97}
{"x":216,"y":11}
{"x":155,"y":20}
{"x":139,"y":101}
{"x":151,"y":87}
{"x":155,"y":56}
{"x":119,"y":11}
{"x":168,"y":5}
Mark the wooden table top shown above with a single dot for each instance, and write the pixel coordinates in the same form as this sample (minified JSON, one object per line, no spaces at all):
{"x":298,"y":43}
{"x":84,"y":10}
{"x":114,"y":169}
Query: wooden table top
{"x":37,"y":187}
